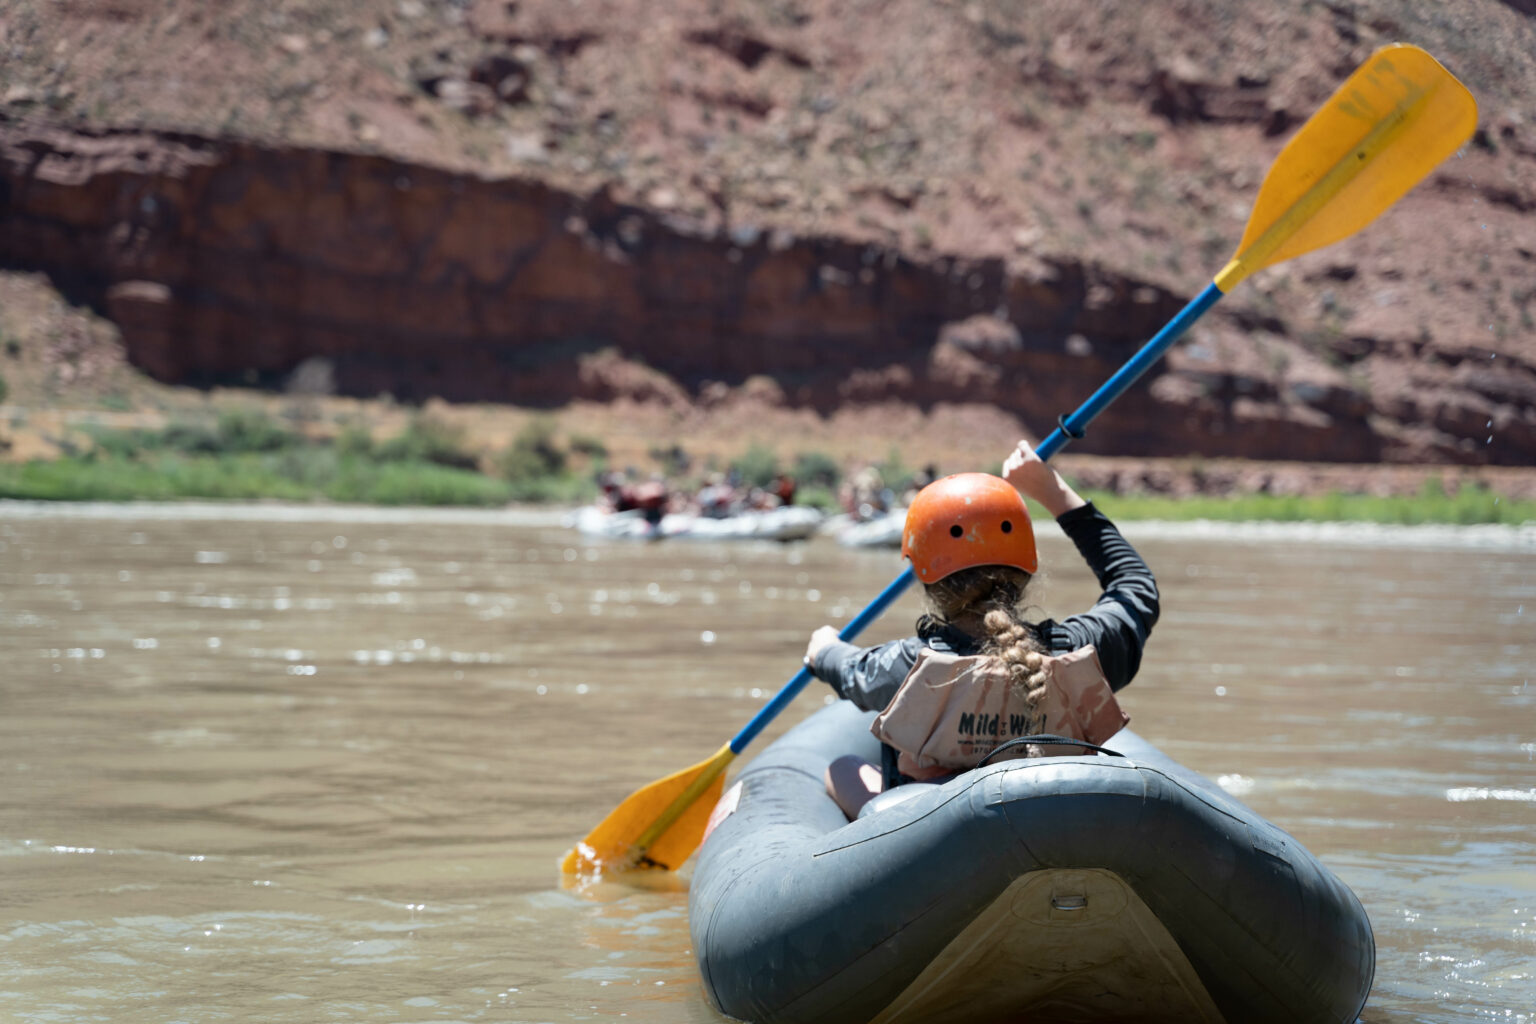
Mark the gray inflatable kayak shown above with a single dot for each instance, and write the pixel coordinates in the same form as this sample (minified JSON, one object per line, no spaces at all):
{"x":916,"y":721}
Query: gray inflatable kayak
{"x":1055,"y":889}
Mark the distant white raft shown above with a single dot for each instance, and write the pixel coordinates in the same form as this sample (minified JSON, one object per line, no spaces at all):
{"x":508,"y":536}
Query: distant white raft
{"x":883,"y":531}
{"x":790,"y":522}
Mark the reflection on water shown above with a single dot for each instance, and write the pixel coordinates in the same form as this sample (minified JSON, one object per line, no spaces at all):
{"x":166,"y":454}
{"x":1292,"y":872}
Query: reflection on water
{"x":310,"y":765}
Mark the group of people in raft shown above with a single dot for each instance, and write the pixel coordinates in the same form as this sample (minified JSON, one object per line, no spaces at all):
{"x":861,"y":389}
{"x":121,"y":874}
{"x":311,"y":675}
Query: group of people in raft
{"x":720,"y":497}
{"x":979,"y":683}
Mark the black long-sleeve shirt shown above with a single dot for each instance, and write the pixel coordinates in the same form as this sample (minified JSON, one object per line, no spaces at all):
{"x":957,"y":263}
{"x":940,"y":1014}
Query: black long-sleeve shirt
{"x":1117,"y":625}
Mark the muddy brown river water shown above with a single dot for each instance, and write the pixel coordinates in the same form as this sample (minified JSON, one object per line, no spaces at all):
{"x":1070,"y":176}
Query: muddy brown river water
{"x":299,"y":765}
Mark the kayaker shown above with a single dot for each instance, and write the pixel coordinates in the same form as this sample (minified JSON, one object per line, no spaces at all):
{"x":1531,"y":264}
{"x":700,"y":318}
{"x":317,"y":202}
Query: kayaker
{"x":977,"y":674}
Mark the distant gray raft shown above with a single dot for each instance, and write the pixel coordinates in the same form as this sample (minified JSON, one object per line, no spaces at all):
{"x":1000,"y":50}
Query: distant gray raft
{"x":1057,"y":889}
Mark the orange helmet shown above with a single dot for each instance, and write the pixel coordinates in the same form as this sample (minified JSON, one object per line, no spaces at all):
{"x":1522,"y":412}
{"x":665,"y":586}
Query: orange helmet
{"x":966,"y":520}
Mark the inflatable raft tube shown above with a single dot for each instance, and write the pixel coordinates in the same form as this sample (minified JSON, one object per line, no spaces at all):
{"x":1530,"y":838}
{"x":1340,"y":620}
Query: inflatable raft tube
{"x":1059,"y":889}
{"x":786,"y":523}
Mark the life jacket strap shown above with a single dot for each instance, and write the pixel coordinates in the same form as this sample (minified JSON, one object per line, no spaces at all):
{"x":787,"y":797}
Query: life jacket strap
{"x":889,"y":772}
{"x":1045,"y":738}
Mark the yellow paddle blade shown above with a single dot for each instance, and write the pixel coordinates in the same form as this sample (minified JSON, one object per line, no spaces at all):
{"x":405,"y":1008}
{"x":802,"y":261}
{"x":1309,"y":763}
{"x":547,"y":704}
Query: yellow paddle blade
{"x":659,"y":825}
{"x":1391,"y":122}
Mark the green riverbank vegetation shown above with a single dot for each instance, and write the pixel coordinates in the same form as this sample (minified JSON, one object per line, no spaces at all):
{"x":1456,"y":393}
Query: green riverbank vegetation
{"x":248,"y":454}
{"x":1468,"y":506}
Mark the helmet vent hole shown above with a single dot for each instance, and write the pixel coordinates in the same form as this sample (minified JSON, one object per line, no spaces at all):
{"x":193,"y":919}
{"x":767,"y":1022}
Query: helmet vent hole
{"x":956,"y":531}
{"x":1007,"y":526}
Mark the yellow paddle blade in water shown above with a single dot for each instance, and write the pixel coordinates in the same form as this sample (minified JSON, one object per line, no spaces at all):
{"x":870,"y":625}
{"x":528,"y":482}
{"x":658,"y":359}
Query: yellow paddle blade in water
{"x":659,"y":825}
{"x":1391,"y":123}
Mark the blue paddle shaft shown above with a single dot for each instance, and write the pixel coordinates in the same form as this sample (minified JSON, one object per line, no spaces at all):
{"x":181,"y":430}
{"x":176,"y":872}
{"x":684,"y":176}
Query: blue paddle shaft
{"x":1077,"y":424}
{"x":1072,"y":427}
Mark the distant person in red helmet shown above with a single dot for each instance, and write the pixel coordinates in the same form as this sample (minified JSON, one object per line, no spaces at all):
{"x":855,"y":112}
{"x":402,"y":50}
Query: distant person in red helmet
{"x":979,"y":683}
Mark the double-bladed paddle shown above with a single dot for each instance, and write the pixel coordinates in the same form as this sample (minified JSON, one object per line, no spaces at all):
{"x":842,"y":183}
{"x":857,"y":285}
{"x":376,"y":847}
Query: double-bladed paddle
{"x":1385,"y":128}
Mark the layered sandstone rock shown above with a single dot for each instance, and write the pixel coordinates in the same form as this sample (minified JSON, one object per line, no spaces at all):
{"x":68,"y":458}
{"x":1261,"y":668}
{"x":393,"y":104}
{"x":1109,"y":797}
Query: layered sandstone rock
{"x":232,"y":261}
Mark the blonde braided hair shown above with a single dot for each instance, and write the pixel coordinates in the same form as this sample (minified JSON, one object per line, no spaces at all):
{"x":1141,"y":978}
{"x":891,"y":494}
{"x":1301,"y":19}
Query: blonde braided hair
{"x":995,"y":594}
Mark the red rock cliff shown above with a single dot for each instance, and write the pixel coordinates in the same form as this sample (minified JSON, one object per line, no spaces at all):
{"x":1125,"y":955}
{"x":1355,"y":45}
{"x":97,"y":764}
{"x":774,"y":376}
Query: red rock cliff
{"x":223,"y":259}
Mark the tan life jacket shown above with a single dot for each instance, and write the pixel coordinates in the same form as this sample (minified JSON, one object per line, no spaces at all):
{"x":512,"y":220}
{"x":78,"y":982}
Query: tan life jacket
{"x":952,"y":710}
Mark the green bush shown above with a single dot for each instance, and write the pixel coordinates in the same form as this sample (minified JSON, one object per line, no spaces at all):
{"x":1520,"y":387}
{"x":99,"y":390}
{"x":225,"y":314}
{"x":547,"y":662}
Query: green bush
{"x":817,"y":496}
{"x":237,"y":431}
{"x":299,"y":474}
{"x":816,"y":469}
{"x":757,"y":466}
{"x":1469,"y":505}
{"x":402,"y":483}
{"x":251,"y":430}
{"x":355,"y":440}
{"x":428,"y":439}
{"x":188,"y":438}
{"x":564,"y":488}
{"x":533,"y":455}
{"x":590,"y":447}
{"x":128,"y":444}
{"x":121,"y":444}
